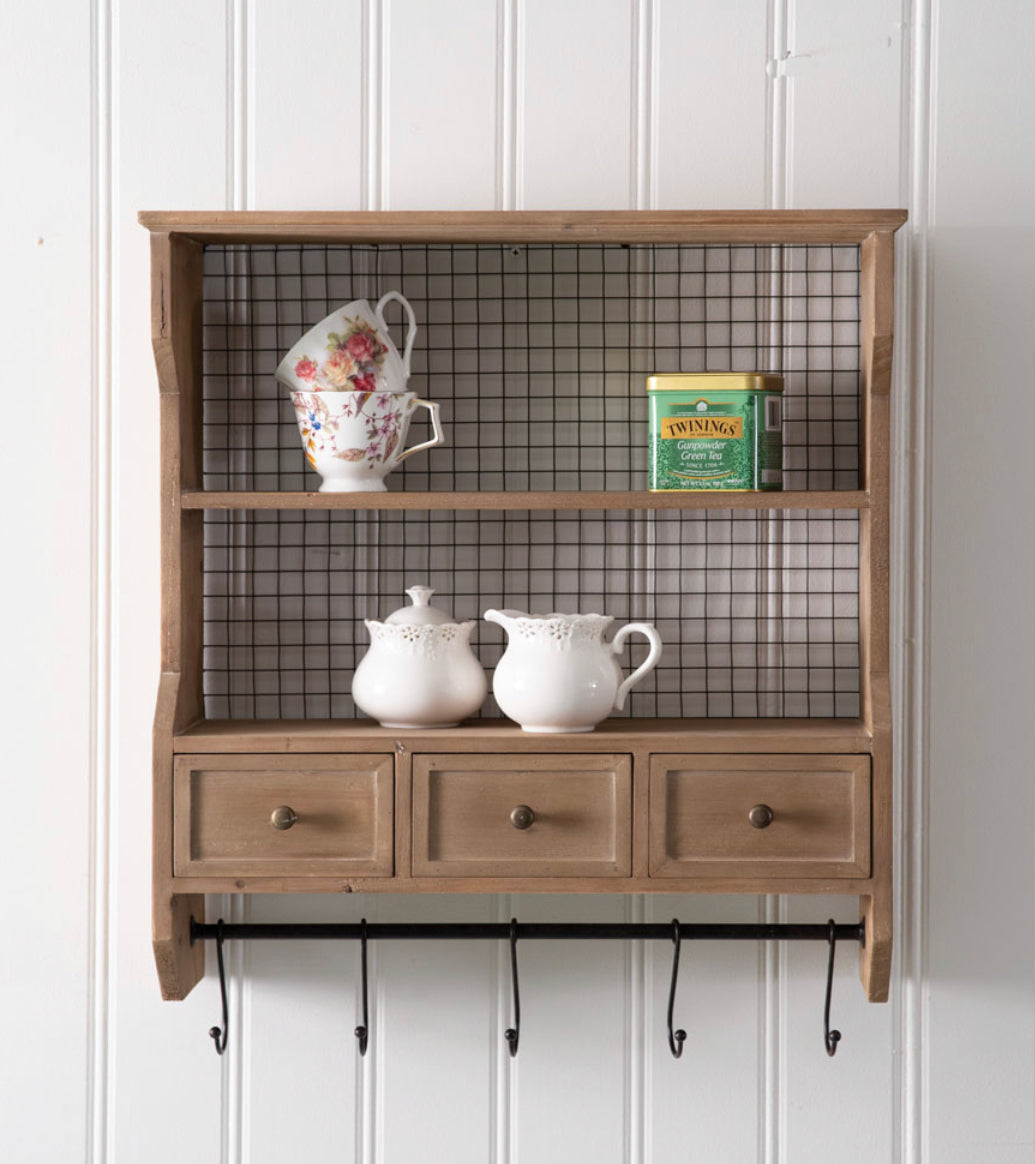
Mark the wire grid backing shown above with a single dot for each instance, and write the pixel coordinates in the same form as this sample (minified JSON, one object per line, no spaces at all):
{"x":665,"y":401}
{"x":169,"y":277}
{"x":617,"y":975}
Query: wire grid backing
{"x":758,"y":610}
{"x":538,"y":353}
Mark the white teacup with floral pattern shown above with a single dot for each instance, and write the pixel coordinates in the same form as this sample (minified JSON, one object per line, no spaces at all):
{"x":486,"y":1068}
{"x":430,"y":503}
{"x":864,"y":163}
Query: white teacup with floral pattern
{"x":354,"y":439}
{"x":351,"y":351}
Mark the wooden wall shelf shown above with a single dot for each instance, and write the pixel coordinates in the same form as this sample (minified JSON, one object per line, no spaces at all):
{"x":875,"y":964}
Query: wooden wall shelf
{"x":640,"y":805}
{"x":540,"y":500}
{"x":696,"y":735}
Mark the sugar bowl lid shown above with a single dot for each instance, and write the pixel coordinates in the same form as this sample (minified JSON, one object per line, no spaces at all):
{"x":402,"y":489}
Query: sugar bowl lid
{"x":421,"y":613}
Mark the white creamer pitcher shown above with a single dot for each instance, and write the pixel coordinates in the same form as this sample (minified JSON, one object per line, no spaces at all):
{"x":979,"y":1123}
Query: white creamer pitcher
{"x":351,"y":351}
{"x":557,"y":673}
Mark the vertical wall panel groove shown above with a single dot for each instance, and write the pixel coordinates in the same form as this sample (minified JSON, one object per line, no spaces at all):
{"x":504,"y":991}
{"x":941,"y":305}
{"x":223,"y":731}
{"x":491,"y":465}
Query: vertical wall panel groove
{"x":770,"y":1043}
{"x":517,"y":97}
{"x":635,"y":1022}
{"x":911,"y":547}
{"x":642,"y":121}
{"x":506,"y":103}
{"x":375,"y":129}
{"x":778,"y":120}
{"x":642,"y":153}
{"x":502,"y":1076}
{"x":236,"y":907}
{"x":773,"y":1121}
{"x":99,"y":1092}
{"x":370,"y":1076}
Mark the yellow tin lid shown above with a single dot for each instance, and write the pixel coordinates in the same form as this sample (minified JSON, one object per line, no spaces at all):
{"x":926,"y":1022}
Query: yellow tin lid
{"x":715,"y":382}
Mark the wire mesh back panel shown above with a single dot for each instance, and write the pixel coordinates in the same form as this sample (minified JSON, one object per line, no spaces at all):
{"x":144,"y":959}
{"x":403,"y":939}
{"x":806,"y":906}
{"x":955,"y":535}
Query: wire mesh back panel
{"x":538,"y":356}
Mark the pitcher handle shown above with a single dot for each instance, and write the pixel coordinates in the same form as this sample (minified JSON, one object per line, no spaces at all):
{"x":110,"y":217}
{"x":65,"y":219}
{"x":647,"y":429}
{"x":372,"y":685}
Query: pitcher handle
{"x":648,"y":664}
{"x":411,"y":330}
{"x":436,"y":425}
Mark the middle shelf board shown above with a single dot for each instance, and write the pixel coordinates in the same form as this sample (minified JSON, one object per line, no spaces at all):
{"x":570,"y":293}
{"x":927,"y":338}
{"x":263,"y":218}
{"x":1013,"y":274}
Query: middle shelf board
{"x":517,"y":500}
{"x":841,"y":735}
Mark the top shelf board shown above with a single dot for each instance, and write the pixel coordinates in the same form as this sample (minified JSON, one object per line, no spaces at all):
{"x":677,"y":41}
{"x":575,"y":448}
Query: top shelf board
{"x":621,"y":226}
{"x":561,"y":500}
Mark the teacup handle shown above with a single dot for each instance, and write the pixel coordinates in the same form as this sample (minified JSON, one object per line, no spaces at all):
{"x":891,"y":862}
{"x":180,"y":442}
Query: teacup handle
{"x":648,"y":664}
{"x":411,"y":330}
{"x":436,"y":425}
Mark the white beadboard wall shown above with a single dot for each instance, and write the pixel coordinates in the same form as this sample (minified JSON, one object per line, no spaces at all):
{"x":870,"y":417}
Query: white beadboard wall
{"x":120,"y":105}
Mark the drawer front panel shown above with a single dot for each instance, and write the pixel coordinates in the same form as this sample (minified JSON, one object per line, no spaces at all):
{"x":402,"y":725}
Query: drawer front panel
{"x":814,"y":813}
{"x":465,"y":823}
{"x":341,"y":805}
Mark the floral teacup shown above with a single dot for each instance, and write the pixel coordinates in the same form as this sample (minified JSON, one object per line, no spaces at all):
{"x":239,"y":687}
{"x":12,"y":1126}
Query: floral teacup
{"x":354,"y":439}
{"x":351,"y":351}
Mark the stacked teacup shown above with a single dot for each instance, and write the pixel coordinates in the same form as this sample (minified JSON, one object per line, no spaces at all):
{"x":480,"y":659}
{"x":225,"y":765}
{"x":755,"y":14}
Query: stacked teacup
{"x":348,"y":387}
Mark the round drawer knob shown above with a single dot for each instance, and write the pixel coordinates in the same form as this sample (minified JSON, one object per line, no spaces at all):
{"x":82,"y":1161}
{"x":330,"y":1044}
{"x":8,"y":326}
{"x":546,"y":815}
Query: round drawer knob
{"x":522,"y":817}
{"x":283,"y":817}
{"x":761,"y":816}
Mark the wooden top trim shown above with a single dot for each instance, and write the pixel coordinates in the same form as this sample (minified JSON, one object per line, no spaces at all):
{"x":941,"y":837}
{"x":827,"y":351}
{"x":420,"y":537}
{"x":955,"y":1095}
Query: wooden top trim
{"x":441,"y":226}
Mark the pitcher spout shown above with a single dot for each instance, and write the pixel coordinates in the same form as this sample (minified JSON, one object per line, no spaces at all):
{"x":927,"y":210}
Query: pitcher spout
{"x":505,"y":618}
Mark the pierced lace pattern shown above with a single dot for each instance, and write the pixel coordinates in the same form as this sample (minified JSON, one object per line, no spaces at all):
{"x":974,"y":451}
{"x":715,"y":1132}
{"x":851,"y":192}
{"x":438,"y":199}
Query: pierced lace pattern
{"x":561,"y":629}
{"x":430,"y":641}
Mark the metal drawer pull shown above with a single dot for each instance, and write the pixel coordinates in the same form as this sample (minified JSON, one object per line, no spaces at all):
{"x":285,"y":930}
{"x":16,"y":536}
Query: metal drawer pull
{"x":761,"y":816}
{"x":522,"y":817}
{"x":283,"y":817}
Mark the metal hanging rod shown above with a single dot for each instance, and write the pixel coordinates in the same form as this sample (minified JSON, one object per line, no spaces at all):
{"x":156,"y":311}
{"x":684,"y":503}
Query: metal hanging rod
{"x":676,"y":931}
{"x":530,"y":931}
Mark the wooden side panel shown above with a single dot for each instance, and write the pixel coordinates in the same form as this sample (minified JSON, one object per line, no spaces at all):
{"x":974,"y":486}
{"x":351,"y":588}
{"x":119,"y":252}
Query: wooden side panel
{"x":877,"y":906}
{"x":878,"y":275}
{"x":176,"y":289}
{"x":176,"y":297}
{"x":180,"y":965}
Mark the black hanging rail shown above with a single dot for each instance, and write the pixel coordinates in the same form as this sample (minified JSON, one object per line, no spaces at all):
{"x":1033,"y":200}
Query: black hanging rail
{"x":675,"y":931}
{"x":530,"y":931}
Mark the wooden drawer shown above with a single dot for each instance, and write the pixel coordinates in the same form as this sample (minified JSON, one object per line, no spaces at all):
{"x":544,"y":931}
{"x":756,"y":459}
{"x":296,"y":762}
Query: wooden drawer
{"x":462,"y":806}
{"x":700,"y":827}
{"x":223,"y":807}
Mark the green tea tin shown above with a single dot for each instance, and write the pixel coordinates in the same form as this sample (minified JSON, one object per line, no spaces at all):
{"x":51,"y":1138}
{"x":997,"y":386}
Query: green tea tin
{"x":716,"y":430}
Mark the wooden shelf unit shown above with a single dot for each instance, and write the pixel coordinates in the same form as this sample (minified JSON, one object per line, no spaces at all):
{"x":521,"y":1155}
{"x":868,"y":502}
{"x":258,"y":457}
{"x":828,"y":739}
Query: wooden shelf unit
{"x":666,"y":776}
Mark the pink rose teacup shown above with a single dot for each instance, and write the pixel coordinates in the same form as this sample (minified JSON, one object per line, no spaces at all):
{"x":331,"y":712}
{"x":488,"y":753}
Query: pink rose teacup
{"x":351,"y":351}
{"x":355,"y":439}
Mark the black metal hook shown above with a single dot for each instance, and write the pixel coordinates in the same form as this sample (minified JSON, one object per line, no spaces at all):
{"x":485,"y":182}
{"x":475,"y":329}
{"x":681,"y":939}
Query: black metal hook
{"x":363,"y":1031}
{"x":830,"y":1038}
{"x":219,"y":1037}
{"x":675,"y":1038}
{"x":513,"y":1034}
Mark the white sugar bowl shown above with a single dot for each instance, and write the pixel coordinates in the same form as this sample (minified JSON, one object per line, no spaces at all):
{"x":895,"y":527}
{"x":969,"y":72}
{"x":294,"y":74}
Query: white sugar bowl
{"x":420,"y":671}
